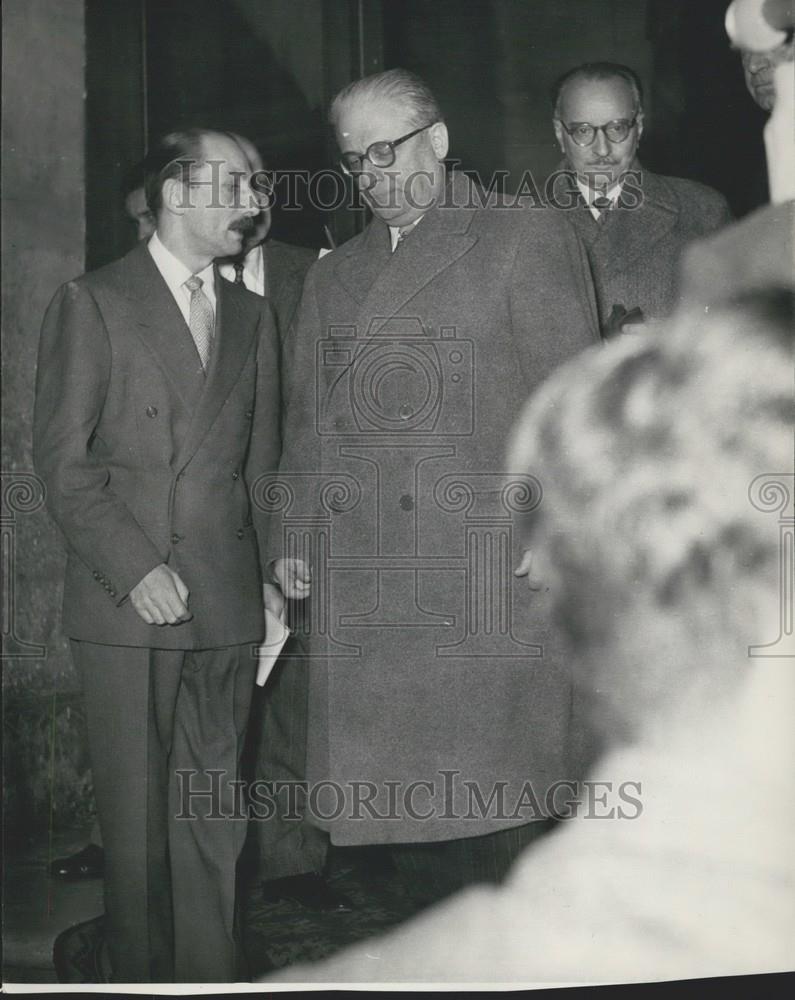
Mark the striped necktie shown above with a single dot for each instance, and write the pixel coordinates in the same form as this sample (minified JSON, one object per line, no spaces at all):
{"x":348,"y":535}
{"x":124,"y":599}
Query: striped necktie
{"x":202,"y":319}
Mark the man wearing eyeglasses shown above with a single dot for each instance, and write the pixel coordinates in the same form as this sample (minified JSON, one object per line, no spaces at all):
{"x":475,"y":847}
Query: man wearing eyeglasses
{"x":633,"y":222}
{"x":429,"y":699}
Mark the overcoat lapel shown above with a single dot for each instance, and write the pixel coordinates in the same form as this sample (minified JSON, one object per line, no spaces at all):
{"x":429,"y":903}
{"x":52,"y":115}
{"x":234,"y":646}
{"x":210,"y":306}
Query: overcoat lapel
{"x":387,"y":281}
{"x":634,"y":230}
{"x":234,"y":331}
{"x":358,"y":267}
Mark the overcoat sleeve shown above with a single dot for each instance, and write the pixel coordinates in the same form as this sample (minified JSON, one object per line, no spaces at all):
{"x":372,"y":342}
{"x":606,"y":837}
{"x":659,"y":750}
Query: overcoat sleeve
{"x":266,"y":431}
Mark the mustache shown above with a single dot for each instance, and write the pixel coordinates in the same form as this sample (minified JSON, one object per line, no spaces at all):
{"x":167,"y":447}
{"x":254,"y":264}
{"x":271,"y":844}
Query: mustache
{"x":246,"y":225}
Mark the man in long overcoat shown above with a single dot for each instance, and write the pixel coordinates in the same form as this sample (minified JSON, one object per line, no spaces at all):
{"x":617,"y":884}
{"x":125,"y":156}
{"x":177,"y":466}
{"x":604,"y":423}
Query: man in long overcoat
{"x":431,"y":706}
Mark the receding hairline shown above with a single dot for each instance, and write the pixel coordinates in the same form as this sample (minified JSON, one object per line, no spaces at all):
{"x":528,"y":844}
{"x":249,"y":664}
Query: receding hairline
{"x":597,"y":72}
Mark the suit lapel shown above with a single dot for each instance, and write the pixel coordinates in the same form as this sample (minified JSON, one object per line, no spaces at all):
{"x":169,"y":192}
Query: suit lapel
{"x":235,"y":327}
{"x":160,"y":324}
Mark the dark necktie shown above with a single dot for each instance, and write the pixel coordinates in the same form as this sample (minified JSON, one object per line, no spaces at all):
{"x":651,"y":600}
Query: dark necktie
{"x":238,"y":266}
{"x":603,"y":206}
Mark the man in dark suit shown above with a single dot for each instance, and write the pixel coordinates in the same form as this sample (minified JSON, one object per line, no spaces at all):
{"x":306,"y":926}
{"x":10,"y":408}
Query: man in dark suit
{"x":157,"y":401}
{"x":412,"y":343}
{"x":634,"y":223}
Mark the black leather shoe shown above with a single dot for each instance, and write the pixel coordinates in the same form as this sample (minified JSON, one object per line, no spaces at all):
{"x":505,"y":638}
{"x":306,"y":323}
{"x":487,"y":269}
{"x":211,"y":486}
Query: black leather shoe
{"x":311,"y":891}
{"x":80,"y":953}
{"x":88,"y":863}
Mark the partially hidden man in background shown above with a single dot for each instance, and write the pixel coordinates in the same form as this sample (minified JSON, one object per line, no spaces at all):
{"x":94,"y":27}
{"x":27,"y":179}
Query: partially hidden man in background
{"x":157,"y":390}
{"x":412,"y":344}
{"x":634,"y":223}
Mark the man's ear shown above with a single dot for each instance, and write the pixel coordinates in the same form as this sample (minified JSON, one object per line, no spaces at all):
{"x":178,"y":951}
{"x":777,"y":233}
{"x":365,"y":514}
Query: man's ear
{"x":559,"y":134}
{"x":440,"y":140}
{"x":175,"y":196}
{"x":640,"y":125}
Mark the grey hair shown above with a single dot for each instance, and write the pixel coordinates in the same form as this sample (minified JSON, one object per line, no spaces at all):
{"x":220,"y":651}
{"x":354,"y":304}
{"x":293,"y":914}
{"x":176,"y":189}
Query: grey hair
{"x":399,"y":85}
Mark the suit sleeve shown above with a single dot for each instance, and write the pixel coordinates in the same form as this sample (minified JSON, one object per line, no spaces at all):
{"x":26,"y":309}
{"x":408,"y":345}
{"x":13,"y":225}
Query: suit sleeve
{"x":553,"y":303}
{"x":71,"y":386}
{"x":266,"y":431}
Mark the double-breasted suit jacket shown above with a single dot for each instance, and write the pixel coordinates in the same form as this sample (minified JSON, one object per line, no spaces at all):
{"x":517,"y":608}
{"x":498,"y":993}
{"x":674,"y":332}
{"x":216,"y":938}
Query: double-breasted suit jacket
{"x":408,"y":370}
{"x":147,"y":461}
{"x":635,"y":249}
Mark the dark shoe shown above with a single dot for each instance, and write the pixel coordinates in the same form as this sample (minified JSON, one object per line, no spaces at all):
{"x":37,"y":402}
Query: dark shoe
{"x":310,"y":890}
{"x":88,"y":863}
{"x":80,"y":953}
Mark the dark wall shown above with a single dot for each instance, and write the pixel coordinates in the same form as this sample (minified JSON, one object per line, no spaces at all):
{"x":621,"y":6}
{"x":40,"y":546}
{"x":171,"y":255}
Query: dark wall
{"x":45,"y":768}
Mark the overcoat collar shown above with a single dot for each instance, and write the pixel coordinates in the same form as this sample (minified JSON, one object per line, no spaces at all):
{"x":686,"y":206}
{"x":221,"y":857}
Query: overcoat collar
{"x":646,"y":212}
{"x":161,"y":326}
{"x":383,"y":282}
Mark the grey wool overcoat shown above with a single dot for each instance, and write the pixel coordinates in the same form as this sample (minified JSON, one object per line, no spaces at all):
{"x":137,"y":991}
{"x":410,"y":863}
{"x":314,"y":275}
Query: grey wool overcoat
{"x":436,"y":687}
{"x":636,"y":249}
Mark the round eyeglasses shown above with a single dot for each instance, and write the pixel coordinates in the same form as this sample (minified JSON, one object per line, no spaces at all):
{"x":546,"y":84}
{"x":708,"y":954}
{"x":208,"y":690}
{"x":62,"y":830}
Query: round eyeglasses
{"x":584,"y":134}
{"x":380,"y":154}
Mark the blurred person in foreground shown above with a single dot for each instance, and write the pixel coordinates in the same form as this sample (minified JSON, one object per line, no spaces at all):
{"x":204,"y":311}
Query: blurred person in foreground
{"x":664,"y":459}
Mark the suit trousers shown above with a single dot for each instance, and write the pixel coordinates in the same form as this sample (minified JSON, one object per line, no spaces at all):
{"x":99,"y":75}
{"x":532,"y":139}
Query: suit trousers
{"x":164,"y":726}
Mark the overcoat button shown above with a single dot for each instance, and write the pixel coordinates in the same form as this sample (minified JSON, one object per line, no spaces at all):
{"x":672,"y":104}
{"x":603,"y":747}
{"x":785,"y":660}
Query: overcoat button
{"x":151,"y":411}
{"x":406,"y":502}
{"x":240,"y":533}
{"x":235,"y":475}
{"x":249,"y":414}
{"x":175,"y":538}
{"x":97,"y":574}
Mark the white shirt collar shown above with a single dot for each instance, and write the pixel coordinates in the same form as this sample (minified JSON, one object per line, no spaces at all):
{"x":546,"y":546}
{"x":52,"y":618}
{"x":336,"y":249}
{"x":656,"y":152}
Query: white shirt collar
{"x":394,"y":231}
{"x":253,"y":270}
{"x":589,"y":194}
{"x":175,"y":274}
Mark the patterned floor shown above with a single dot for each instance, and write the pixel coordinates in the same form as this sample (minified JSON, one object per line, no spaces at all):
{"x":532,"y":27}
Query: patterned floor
{"x":287,"y":933}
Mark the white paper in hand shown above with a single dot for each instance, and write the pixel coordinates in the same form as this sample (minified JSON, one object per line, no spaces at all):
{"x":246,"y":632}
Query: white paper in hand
{"x":276,"y":634}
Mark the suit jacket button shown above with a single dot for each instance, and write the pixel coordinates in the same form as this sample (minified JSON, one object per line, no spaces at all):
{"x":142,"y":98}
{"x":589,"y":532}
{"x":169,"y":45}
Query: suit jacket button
{"x":112,"y":592}
{"x":151,"y":411}
{"x":240,"y":533}
{"x":235,"y":475}
{"x":175,"y":538}
{"x":249,"y":414}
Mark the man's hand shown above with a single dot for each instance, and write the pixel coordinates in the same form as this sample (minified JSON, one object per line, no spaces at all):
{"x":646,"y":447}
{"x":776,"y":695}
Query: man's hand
{"x":525,"y":568}
{"x":161,"y":598}
{"x":293,"y":577}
